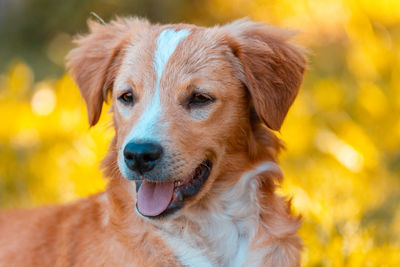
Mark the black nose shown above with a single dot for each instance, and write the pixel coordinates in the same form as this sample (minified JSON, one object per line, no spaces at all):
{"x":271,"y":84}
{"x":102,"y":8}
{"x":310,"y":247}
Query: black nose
{"x":142,"y":157}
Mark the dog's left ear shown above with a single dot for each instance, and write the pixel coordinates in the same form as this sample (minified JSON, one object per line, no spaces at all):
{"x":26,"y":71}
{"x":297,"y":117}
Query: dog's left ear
{"x":94,"y":62}
{"x":271,"y":68}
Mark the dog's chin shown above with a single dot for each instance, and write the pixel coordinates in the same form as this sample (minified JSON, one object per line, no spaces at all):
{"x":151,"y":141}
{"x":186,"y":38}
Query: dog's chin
{"x":183,"y":189}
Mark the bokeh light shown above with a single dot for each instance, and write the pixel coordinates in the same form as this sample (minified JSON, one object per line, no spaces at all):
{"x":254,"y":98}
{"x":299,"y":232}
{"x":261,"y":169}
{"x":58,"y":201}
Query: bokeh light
{"x":43,"y":100}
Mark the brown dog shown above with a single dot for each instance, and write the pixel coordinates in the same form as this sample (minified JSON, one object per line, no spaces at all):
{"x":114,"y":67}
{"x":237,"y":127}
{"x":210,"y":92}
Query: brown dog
{"x":192,"y":165}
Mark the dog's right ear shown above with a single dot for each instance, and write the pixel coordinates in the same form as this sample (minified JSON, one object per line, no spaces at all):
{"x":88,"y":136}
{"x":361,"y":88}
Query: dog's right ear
{"x":94,"y":62}
{"x":269,"y":66}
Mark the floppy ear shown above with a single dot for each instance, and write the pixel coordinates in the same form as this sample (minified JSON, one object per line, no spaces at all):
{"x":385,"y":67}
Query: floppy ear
{"x":94,"y":62}
{"x":270,"y":67}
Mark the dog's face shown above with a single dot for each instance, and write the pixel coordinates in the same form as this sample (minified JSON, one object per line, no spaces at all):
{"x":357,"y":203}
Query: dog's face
{"x":186,"y":101}
{"x":176,"y":104}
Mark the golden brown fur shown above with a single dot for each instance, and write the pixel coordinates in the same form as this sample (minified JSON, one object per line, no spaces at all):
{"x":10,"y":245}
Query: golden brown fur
{"x":254,"y":73}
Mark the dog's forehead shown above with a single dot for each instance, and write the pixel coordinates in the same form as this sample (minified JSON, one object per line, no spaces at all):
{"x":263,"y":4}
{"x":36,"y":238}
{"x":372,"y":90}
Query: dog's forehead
{"x":166,"y":44}
{"x":167,"y":53}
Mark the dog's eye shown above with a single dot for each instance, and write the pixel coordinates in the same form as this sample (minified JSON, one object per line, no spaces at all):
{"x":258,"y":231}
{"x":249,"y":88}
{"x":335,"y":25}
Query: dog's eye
{"x":126,"y":98}
{"x":199,"y":99}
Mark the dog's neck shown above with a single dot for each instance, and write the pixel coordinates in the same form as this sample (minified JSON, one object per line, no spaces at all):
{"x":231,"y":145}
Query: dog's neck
{"x":221,"y":233}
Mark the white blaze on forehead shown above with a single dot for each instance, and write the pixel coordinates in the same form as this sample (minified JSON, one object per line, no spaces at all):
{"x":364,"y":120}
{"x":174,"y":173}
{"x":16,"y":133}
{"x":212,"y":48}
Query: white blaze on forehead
{"x":166,"y":45}
{"x":149,"y":122}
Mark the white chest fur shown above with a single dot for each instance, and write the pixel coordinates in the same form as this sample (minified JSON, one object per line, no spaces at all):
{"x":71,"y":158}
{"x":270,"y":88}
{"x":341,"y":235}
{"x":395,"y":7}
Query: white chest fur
{"x":221,"y":234}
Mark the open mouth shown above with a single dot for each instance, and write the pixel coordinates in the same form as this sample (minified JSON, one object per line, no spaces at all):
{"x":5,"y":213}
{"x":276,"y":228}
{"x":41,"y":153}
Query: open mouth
{"x":159,"y":199}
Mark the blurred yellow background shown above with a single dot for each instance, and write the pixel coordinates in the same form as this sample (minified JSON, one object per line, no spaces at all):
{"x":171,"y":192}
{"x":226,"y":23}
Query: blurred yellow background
{"x":342,"y":163}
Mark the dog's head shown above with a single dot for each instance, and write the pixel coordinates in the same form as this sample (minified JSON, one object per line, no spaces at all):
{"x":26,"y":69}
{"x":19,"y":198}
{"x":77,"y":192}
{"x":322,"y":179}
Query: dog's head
{"x":189,"y":103}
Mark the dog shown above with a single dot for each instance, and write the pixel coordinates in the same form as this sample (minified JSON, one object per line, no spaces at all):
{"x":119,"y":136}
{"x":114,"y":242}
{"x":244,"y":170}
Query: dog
{"x":193,"y":164}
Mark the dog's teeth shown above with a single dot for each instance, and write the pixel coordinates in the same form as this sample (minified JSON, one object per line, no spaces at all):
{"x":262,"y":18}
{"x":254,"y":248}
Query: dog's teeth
{"x":178,"y":183}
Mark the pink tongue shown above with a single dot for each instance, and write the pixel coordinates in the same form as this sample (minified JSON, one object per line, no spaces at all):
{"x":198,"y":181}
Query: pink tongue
{"x":153,"y":198}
